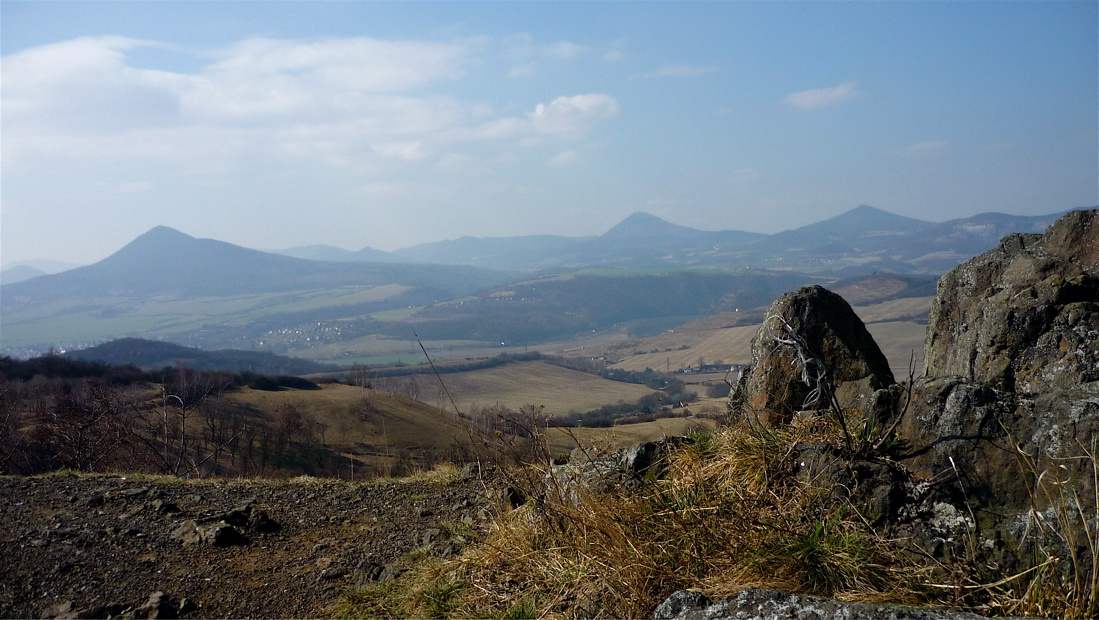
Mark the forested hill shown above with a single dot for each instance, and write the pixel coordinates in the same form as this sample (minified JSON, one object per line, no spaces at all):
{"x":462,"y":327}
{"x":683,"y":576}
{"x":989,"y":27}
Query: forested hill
{"x":153,"y":355}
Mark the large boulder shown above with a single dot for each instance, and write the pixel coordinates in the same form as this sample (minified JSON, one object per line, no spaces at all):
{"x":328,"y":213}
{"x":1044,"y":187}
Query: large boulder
{"x":1008,"y":409}
{"x":1012,"y":363}
{"x":763,"y":604}
{"x":811,"y":342}
{"x":1024,"y":316}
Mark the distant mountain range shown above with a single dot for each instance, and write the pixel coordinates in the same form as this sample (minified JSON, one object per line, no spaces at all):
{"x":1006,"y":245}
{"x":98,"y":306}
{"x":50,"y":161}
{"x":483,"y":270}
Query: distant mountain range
{"x":25,"y":270}
{"x":19,"y":273}
{"x":861,"y":241}
{"x":165,"y":261}
{"x":470,"y":292}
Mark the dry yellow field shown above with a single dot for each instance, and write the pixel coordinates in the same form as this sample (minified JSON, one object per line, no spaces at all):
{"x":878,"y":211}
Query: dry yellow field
{"x":895,"y":310}
{"x":372,"y":422}
{"x":898,"y":340}
{"x":538,"y":383}
{"x":376,"y":429}
{"x":563,"y":440}
{"x":732,"y":345}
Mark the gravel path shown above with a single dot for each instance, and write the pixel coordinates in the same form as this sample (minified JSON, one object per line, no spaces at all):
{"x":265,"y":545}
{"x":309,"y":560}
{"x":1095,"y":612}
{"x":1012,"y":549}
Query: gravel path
{"x":91,"y":546}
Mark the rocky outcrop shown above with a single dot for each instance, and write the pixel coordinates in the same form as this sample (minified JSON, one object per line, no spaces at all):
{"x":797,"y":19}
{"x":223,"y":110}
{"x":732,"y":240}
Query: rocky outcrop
{"x":997,"y":441}
{"x":1023,"y":317}
{"x":762,"y":604}
{"x":811,"y":340}
{"x":1011,"y":385}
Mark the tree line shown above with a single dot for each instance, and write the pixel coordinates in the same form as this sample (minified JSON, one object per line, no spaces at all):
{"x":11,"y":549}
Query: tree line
{"x":58,"y":413}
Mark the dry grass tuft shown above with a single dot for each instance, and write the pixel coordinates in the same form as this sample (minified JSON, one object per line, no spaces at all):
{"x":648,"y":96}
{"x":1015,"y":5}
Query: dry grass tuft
{"x":1063,"y":529}
{"x":728,"y":514}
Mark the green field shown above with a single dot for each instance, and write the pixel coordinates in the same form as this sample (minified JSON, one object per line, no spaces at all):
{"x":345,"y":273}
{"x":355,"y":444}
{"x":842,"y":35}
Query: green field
{"x":84,"y":320}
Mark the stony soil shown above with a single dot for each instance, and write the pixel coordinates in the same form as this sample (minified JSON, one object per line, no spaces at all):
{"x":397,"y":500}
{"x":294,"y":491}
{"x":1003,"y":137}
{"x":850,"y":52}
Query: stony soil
{"x":92,"y":546}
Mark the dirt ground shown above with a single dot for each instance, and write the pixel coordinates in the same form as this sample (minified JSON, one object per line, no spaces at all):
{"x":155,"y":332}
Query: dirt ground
{"x":93,"y":546}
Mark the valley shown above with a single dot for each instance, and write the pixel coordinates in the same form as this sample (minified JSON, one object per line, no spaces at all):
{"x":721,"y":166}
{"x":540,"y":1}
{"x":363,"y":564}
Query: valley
{"x":469,"y":297}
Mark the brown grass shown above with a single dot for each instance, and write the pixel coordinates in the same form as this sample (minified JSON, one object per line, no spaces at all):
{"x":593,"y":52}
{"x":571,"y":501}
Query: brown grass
{"x":729,"y":514}
{"x":538,"y":383}
{"x":561,"y":441}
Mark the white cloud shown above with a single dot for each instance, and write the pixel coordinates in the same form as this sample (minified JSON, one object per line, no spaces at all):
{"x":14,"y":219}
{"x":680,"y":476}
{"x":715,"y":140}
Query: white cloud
{"x":522,"y":71}
{"x":820,"y":97}
{"x":572,"y":115}
{"x":362,"y":105}
{"x":501,"y":129}
{"x":564,"y":158}
{"x":461,"y":163}
{"x":564,"y":50}
{"x":617,"y":51}
{"x":673,"y":70}
{"x":405,"y":151}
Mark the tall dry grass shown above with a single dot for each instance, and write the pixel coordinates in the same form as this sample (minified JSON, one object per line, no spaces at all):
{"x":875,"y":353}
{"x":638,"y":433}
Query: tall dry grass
{"x":729,"y":513}
{"x":730,"y":510}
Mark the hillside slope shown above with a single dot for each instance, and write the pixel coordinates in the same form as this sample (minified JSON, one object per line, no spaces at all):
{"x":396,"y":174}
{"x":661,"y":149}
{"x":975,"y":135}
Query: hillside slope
{"x":153,"y":355}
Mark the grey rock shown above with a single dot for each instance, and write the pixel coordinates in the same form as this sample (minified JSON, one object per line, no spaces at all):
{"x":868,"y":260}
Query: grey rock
{"x":390,"y":572}
{"x":333,"y":573}
{"x":367,"y":573}
{"x":1012,"y":364}
{"x":159,"y":605}
{"x":680,"y":603}
{"x":762,"y":604}
{"x":259,"y":521}
{"x":430,"y":536}
{"x":810,"y":339}
{"x":163,"y":506}
{"x":219,"y":534}
{"x":594,"y":473}
{"x":1024,"y":316}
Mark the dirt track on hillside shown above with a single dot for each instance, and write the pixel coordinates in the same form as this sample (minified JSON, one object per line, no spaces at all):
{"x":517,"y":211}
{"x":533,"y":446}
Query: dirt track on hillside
{"x":76,"y":546}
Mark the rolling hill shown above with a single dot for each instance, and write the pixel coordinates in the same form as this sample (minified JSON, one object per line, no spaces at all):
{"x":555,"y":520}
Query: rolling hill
{"x":165,"y":261}
{"x":340,"y":255}
{"x":212,"y":294}
{"x":858,"y":242}
{"x":642,"y":276}
{"x":19,"y":273}
{"x":154,"y":355}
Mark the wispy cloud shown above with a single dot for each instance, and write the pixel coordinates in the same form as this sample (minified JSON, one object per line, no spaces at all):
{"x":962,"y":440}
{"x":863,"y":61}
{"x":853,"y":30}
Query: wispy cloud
{"x":820,"y":97}
{"x":564,"y":158}
{"x":572,"y":115}
{"x":617,"y":52}
{"x":360,"y":103}
{"x":564,"y":50}
{"x":928,"y":148}
{"x":527,"y":57}
{"x":673,"y":70}
{"x":523,"y":70}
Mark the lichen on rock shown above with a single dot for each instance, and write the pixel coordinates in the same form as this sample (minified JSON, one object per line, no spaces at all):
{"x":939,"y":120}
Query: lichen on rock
{"x":811,"y":342}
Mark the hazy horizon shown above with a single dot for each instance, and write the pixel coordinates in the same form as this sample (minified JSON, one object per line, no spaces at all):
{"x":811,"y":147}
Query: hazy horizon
{"x":385,"y":125}
{"x":58,"y":266}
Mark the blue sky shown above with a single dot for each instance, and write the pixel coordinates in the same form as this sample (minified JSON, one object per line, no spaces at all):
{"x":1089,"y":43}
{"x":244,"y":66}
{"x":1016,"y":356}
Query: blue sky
{"x":281,"y":124}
